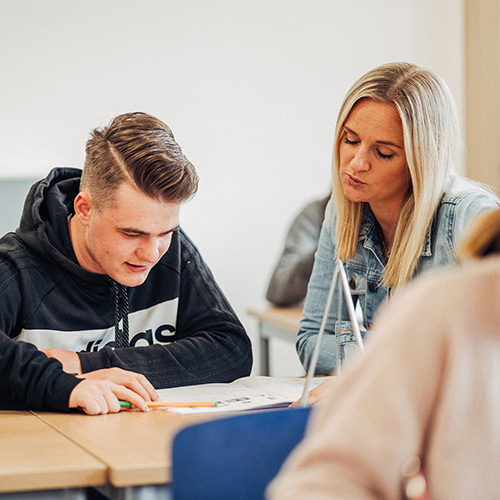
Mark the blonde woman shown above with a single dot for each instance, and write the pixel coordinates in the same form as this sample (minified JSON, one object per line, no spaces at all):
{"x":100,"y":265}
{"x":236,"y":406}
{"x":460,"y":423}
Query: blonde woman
{"x":397,"y":209}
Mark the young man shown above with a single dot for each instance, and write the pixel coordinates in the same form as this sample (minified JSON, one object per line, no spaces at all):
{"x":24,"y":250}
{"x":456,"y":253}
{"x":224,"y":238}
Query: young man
{"x":100,"y":275}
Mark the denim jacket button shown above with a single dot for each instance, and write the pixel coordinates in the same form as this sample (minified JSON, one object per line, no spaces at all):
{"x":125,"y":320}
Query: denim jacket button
{"x":352,"y":283}
{"x":372,"y":287}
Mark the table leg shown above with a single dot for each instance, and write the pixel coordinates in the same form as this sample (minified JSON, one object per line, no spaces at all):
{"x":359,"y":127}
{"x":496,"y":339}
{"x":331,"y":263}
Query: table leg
{"x":264,"y":352}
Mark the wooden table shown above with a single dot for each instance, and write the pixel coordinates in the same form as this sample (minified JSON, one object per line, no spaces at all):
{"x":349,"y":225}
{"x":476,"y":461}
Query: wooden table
{"x":34,"y":456}
{"x":275,"y":322}
{"x":135,"y":446}
{"x":125,"y":455}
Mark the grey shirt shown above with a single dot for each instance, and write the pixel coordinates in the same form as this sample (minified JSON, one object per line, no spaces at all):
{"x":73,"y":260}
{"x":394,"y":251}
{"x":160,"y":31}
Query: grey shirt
{"x":288,"y":284}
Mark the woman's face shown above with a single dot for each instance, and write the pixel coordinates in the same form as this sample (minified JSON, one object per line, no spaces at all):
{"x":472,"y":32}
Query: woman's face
{"x":373,"y":165}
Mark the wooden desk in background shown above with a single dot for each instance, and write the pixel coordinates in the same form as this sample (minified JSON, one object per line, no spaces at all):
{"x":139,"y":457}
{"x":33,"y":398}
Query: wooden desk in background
{"x":275,"y":322}
{"x":35,"y":457}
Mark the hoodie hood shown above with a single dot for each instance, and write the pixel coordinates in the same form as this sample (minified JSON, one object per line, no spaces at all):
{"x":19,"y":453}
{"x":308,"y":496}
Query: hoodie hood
{"x":44,"y":222}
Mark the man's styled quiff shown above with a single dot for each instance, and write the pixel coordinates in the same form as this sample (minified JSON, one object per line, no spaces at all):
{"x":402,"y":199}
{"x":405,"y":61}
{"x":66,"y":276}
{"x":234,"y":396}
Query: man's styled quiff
{"x":139,"y":149}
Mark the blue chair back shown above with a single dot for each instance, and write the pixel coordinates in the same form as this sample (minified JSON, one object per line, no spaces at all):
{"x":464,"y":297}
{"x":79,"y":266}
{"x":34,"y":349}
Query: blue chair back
{"x":236,"y":457}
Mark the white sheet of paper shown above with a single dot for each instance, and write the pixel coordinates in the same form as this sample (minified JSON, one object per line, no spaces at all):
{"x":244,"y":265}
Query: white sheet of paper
{"x":247,"y":393}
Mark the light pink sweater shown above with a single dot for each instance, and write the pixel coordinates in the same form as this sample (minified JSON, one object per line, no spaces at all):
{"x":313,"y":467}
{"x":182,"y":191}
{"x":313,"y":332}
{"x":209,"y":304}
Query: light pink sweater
{"x":428,"y":385}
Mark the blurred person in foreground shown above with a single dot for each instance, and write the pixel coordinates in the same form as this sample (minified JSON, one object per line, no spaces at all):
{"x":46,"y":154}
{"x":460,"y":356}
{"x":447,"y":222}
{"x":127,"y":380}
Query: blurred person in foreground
{"x":416,"y":416}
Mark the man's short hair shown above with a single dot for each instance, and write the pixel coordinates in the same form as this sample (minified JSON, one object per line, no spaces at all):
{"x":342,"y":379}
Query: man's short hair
{"x":139,"y":149}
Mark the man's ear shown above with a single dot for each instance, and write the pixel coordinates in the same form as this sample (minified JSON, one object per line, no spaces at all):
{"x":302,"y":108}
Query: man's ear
{"x":83,"y":207}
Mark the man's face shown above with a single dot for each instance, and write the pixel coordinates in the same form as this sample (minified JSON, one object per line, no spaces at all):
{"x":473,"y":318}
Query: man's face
{"x":127,"y":237}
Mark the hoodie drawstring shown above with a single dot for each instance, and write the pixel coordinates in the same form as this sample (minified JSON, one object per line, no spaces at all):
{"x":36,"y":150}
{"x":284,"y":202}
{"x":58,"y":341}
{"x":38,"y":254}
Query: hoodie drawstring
{"x":121,"y":313}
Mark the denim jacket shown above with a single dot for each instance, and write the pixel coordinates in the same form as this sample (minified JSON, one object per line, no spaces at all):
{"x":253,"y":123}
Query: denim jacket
{"x":462,"y":202}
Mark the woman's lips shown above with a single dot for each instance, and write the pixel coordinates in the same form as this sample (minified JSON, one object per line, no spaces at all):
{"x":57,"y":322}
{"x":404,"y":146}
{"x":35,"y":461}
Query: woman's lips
{"x":353,"y":181}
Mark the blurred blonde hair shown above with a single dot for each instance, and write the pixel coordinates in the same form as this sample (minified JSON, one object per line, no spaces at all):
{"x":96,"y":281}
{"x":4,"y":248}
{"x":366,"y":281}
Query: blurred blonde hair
{"x":431,"y":140}
{"x":483,"y":237}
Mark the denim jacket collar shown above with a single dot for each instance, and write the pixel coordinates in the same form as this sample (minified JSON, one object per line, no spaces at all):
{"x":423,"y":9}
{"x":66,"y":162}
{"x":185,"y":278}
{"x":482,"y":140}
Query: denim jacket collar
{"x":368,"y":234}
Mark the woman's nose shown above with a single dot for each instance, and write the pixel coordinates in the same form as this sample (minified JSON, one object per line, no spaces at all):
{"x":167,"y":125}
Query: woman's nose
{"x":360,"y":162}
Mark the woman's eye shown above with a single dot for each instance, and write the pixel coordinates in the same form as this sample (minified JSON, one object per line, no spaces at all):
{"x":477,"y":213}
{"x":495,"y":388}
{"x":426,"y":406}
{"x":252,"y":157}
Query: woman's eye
{"x":384,"y":156}
{"x":350,"y":141}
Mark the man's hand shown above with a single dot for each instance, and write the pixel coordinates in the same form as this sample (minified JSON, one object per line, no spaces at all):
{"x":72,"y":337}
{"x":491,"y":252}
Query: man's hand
{"x":135,"y":382}
{"x":69,"y":360}
{"x":98,"y":397}
{"x":101,"y":391}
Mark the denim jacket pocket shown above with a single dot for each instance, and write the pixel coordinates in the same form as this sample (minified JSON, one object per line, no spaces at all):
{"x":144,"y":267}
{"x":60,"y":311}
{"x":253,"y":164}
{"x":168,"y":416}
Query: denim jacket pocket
{"x":346,"y":342}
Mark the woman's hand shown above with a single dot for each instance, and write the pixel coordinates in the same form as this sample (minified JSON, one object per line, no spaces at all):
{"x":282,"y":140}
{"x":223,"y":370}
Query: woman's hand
{"x":317,"y":393}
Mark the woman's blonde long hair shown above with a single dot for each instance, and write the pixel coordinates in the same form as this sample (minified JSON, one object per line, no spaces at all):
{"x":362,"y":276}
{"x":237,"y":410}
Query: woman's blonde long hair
{"x":431,"y":140}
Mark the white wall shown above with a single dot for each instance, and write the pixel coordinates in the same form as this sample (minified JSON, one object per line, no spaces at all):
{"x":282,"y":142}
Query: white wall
{"x":251,"y":90}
